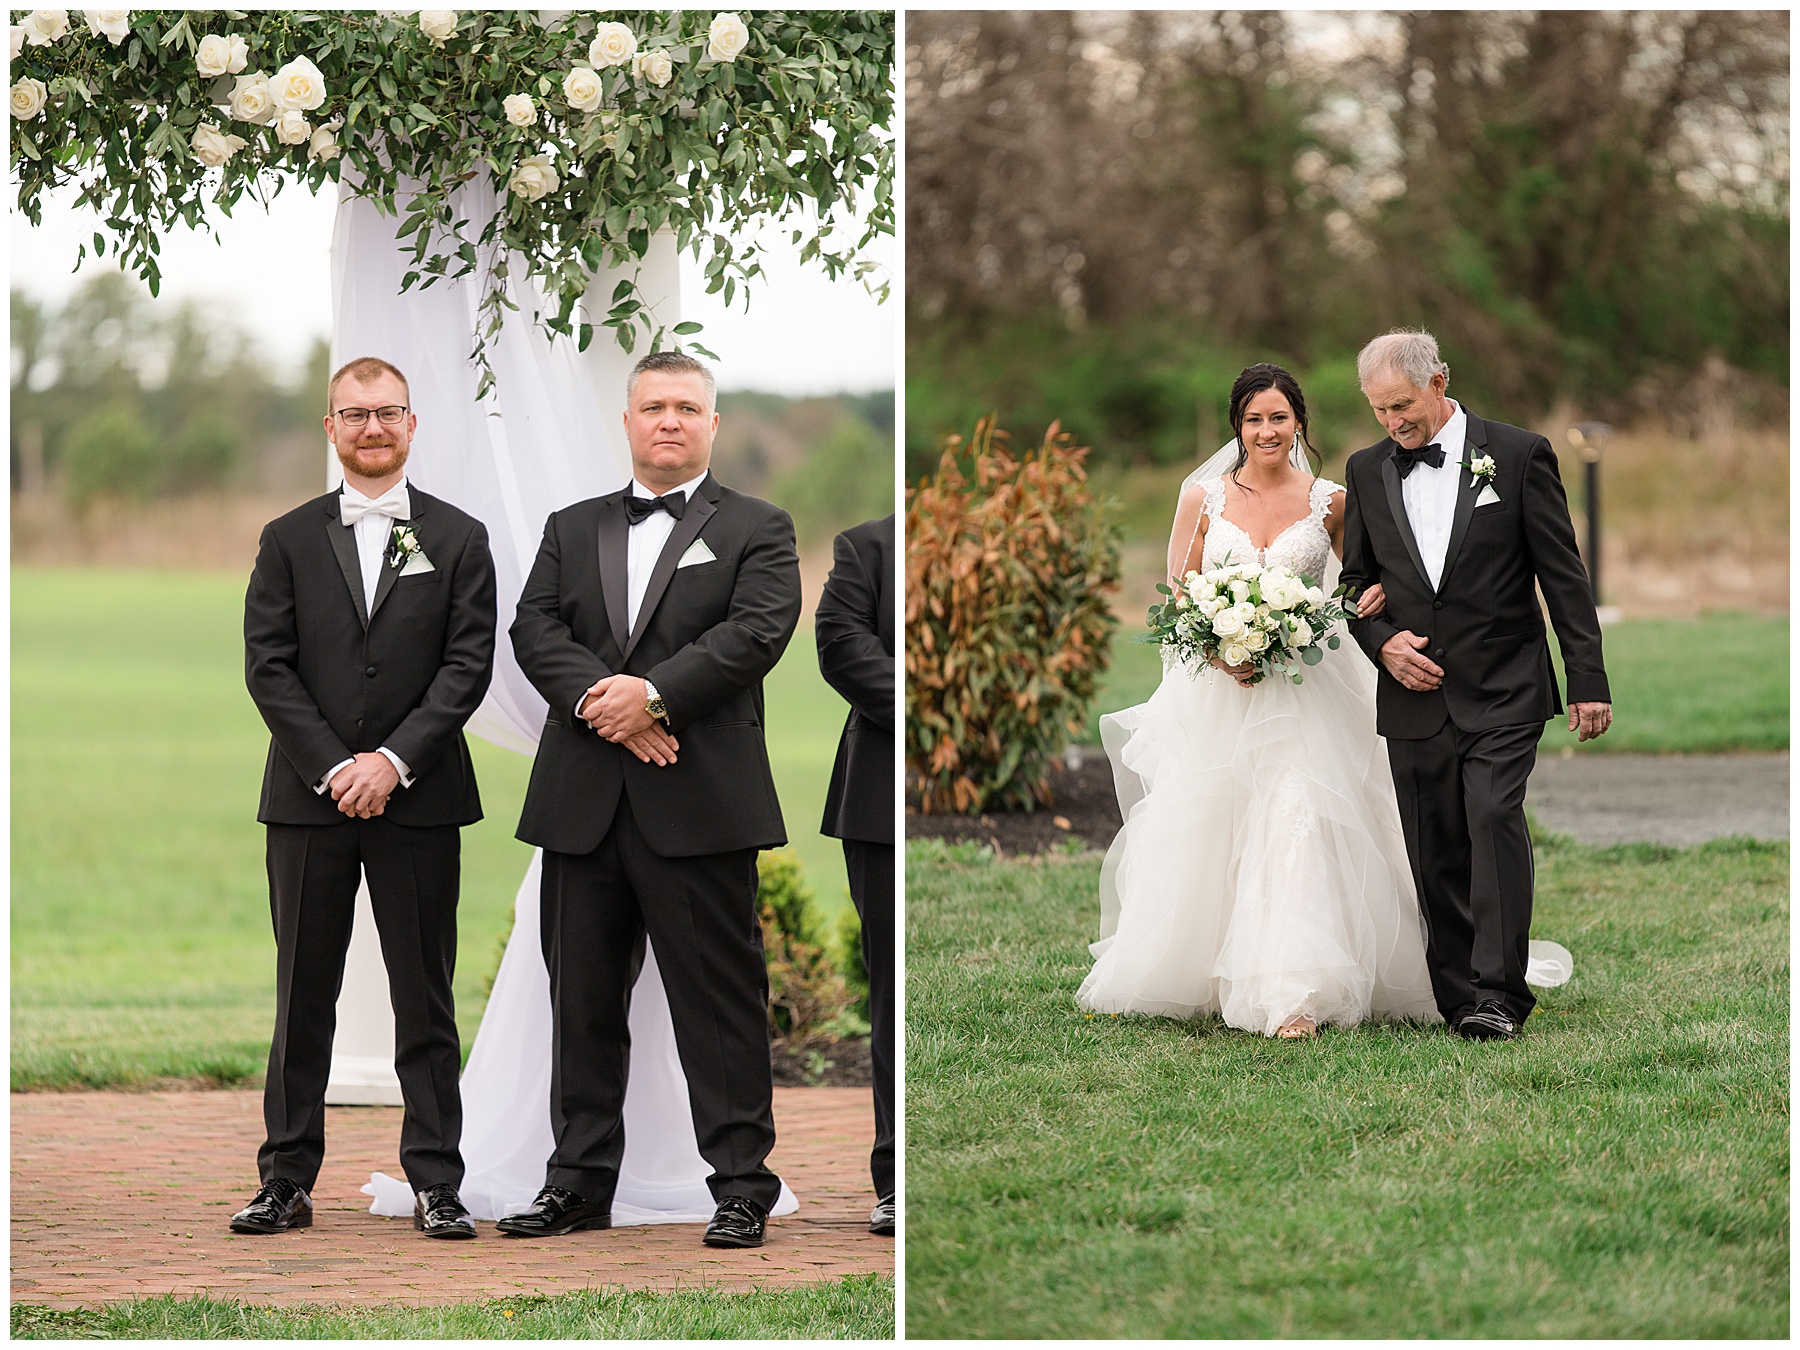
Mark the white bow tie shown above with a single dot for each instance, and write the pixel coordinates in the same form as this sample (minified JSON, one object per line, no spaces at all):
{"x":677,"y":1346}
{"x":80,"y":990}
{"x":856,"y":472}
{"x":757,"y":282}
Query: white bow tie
{"x":394,"y":504}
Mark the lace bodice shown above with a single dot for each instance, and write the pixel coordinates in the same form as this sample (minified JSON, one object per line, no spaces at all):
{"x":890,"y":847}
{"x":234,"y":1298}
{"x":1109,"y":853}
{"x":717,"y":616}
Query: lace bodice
{"x":1304,"y":547}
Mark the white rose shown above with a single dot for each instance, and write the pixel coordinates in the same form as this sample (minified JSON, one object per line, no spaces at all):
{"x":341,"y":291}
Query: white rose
{"x":1182,"y":602}
{"x":213,"y":146}
{"x":1256,"y":640}
{"x":28,"y":97}
{"x":1245,"y":611}
{"x":533,"y":178}
{"x":1235,"y":654}
{"x":437,"y":24}
{"x":252,"y":100}
{"x":1314,"y":596}
{"x":654,"y":67}
{"x":614,"y":45}
{"x":292,"y":128}
{"x":213,"y":58}
{"x":1303,"y":633}
{"x":1239,"y":588}
{"x":112,"y":24}
{"x":520,"y":110}
{"x":44,"y":26}
{"x":18,"y":40}
{"x":1211,"y":606}
{"x":323,"y":146}
{"x":581,"y":89}
{"x":726,"y":37}
{"x":1228,"y":624}
{"x":299,"y":84}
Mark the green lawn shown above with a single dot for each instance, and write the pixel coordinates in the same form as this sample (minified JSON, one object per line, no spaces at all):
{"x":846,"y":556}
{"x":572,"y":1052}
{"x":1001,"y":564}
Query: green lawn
{"x":1713,"y":684}
{"x":141,"y":945}
{"x":852,"y":1308}
{"x":1619,"y":1171}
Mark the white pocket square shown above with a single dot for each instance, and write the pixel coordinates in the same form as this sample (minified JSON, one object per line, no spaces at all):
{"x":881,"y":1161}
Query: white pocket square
{"x":416,"y":564}
{"x":1488,"y":497}
{"x":697,"y":552}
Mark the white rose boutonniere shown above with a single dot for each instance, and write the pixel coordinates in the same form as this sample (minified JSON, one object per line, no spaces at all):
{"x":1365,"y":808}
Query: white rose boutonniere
{"x":112,"y":24}
{"x":252,"y":100}
{"x":581,"y":89}
{"x":299,"y":84}
{"x":614,"y":45}
{"x":437,"y":24}
{"x":28,"y":97}
{"x":520,"y":110}
{"x":534,"y":178}
{"x":726,"y":36}
{"x":214,"y":147}
{"x":653,"y":67}
{"x":403,"y":545}
{"x":1482,"y":468}
{"x":44,"y":26}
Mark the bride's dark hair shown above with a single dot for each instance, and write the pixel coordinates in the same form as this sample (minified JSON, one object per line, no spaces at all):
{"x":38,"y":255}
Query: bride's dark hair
{"x":1251,"y":382}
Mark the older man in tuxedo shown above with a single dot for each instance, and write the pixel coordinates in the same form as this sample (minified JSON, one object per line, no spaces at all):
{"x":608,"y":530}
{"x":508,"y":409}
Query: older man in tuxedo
{"x":648,"y":622}
{"x":369,"y":642}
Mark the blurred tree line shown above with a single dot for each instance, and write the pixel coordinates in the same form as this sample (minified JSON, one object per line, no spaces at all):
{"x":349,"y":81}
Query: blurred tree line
{"x":116,"y":395}
{"x":1109,"y":214}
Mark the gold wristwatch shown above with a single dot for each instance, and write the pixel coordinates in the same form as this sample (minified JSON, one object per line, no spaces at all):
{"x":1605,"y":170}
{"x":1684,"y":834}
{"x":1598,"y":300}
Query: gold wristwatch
{"x":653,"y":702}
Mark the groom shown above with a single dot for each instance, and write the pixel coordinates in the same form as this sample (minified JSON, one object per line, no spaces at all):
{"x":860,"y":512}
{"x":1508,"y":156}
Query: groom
{"x":648,"y":623}
{"x":1461,"y":520}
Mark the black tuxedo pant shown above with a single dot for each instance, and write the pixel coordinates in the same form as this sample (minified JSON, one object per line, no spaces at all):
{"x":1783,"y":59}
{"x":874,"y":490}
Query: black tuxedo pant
{"x":1462,"y":807}
{"x":413,"y":878}
{"x":700,"y":916}
{"x":871,"y":869}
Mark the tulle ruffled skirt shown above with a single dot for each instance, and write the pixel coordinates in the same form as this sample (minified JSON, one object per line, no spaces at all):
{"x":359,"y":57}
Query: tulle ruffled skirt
{"x":1261,"y":873}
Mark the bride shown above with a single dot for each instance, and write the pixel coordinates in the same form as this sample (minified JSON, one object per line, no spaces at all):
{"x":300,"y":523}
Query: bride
{"x":1261,"y":873}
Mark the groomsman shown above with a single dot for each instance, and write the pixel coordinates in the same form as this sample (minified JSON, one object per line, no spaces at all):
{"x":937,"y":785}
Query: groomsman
{"x":854,"y":625}
{"x":369,"y":642}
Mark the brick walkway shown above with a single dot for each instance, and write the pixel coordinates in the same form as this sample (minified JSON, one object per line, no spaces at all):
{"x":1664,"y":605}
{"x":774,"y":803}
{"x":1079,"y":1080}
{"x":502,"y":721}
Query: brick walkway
{"x":124,"y":1195}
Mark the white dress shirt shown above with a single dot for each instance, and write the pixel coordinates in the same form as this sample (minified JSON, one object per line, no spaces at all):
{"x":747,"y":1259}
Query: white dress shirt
{"x":372,"y":534}
{"x":645,"y":545}
{"x":1430,"y":494}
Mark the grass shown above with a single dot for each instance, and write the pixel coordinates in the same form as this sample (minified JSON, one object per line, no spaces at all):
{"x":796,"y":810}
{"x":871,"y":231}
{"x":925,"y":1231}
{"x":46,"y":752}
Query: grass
{"x":141,"y":944}
{"x":1619,"y":1171}
{"x":852,"y":1308}
{"x":1659,"y":705}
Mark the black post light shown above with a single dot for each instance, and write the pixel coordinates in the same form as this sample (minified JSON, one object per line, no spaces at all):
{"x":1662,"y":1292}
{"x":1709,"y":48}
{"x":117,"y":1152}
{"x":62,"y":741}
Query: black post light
{"x":1587,"y":438}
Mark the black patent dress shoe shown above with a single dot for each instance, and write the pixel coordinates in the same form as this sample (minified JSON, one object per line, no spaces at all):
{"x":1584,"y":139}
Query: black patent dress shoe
{"x":736,"y":1223}
{"x":555,"y":1212}
{"x":881,"y":1218}
{"x":438,"y":1212}
{"x":280,"y":1205}
{"x":1487,"y":1022}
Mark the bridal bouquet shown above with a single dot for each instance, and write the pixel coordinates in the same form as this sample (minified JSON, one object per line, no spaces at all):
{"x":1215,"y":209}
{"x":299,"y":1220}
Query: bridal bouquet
{"x":1263,"y":616}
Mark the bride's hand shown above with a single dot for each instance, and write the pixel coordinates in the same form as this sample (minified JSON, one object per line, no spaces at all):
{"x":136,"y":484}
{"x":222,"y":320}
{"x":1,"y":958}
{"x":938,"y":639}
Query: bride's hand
{"x":1373,"y":600}
{"x":1242,"y":674}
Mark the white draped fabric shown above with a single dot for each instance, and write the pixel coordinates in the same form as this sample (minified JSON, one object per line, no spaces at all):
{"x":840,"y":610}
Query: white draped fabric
{"x":541,"y":441}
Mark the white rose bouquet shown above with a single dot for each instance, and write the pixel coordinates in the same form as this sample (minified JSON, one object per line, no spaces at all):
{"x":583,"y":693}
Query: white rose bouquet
{"x":1247,"y":615}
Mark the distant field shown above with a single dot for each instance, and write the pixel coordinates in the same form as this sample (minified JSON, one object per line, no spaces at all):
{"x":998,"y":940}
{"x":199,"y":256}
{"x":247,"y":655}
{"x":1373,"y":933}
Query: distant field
{"x":1700,"y":686}
{"x":141,"y":946}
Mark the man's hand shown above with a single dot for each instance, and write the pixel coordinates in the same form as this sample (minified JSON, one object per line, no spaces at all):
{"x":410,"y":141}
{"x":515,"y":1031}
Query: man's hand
{"x":1400,"y":656}
{"x":1372,"y":601}
{"x":616,"y":707}
{"x":653,"y":745}
{"x":1589,"y":720}
{"x":362,"y":787}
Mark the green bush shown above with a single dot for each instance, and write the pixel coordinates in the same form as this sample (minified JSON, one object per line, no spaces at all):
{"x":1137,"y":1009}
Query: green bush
{"x":810,"y":1001}
{"x":1008,"y":629}
{"x":847,"y":478}
{"x":201,"y":455}
{"x":850,"y":958}
{"x":112,"y":452}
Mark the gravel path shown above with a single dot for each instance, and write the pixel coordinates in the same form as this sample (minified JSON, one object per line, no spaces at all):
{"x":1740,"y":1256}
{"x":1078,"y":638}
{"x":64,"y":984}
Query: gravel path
{"x":1661,"y":799}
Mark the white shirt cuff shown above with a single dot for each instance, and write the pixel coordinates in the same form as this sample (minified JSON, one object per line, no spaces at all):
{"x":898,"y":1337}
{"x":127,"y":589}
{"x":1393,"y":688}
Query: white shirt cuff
{"x":406,"y":778}
{"x":324,"y":784}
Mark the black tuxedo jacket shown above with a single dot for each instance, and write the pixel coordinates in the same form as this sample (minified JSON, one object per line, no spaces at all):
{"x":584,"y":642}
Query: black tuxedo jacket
{"x":854,"y":625}
{"x":1484,"y":622}
{"x":333,"y":676}
{"x":706,"y":636}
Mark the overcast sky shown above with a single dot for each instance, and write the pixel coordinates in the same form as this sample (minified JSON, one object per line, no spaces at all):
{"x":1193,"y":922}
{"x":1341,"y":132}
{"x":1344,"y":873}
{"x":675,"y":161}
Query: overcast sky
{"x":272,"y":270}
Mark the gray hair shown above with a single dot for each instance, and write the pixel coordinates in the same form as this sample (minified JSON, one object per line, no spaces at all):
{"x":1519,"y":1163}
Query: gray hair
{"x":673,"y":363}
{"x":1411,"y":355}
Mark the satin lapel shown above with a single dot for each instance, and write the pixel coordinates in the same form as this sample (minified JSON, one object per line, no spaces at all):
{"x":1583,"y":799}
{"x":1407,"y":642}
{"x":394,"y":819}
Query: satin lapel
{"x":1390,"y":478}
{"x":343,"y":543}
{"x":1468,"y":488}
{"x":687,"y":529}
{"x":615,"y":566}
{"x":386,"y":576}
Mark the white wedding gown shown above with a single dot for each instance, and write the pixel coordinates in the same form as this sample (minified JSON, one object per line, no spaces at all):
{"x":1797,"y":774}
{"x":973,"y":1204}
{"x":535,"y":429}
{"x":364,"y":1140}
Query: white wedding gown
{"x":1261,"y":872}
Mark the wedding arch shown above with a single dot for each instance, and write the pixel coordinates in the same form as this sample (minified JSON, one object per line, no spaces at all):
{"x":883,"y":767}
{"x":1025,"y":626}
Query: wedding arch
{"x":502,"y":178}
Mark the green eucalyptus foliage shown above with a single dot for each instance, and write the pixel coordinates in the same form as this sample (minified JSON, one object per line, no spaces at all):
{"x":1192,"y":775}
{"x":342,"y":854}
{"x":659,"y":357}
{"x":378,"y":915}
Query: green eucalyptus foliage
{"x":797,"y":119}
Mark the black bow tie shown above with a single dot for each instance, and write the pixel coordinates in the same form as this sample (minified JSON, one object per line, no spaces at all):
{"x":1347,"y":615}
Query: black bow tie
{"x":639,"y":509}
{"x":1405,"y":459}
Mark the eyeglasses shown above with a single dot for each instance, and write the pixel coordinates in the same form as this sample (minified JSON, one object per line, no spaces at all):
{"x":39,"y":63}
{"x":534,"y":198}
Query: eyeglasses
{"x":359,"y":417}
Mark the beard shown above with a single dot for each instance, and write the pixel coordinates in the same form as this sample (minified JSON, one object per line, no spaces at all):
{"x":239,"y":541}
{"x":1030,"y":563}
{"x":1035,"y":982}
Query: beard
{"x":372,"y":459}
